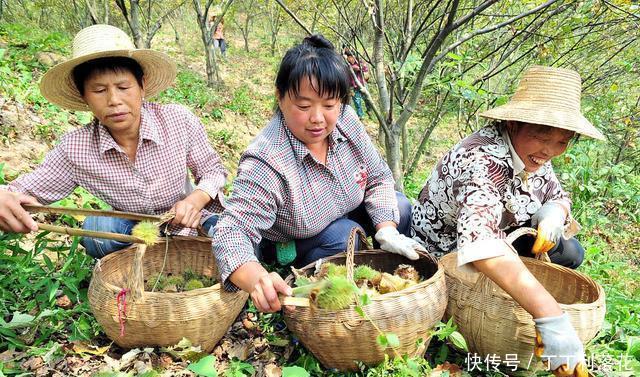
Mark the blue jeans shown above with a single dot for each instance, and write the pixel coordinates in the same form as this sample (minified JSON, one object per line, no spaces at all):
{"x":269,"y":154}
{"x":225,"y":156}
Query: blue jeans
{"x":333,"y":239}
{"x":357,"y":102}
{"x":99,"y":247}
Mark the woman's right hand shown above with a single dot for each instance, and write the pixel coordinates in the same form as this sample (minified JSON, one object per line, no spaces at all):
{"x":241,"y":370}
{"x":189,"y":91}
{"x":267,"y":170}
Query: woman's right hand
{"x":14,"y":218}
{"x":558,"y":344}
{"x":265,"y":292}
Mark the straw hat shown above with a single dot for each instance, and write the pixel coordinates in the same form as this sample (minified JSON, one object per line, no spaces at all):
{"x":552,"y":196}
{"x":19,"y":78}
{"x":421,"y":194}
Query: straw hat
{"x":548,"y":96}
{"x":99,"y":41}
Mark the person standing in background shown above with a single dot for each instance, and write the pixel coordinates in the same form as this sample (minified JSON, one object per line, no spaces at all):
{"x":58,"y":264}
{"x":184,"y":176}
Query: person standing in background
{"x":218,"y":36}
{"x":361,"y":74}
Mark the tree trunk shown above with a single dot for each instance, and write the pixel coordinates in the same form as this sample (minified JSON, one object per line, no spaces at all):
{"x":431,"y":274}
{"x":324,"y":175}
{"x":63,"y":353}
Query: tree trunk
{"x":106,"y":11}
{"x":394,"y":157}
{"x":212,"y":67}
{"x":245,"y":33}
{"x":135,"y":23}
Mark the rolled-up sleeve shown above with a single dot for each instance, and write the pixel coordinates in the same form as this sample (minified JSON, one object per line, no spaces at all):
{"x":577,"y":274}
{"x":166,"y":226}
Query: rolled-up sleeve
{"x":251,"y":209}
{"x":480,"y":211}
{"x":203,"y":161}
{"x":50,"y":181}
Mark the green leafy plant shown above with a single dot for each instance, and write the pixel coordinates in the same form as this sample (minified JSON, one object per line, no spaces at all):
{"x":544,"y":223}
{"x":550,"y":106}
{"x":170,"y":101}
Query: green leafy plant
{"x":205,"y":367}
{"x":239,"y":368}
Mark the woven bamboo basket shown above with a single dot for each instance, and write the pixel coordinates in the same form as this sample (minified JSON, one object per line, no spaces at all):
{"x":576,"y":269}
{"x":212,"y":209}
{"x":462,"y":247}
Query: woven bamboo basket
{"x":340,"y":338}
{"x":492,"y":323}
{"x":156,"y":318}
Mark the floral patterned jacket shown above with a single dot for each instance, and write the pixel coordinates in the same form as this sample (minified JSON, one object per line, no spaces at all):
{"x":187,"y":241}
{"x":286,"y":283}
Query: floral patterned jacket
{"x":477,"y":191}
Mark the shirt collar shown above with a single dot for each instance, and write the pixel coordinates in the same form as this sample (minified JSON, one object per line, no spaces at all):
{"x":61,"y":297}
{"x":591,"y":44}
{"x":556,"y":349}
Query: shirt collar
{"x":148,"y":131}
{"x":518,"y":165}
{"x":300,"y":150}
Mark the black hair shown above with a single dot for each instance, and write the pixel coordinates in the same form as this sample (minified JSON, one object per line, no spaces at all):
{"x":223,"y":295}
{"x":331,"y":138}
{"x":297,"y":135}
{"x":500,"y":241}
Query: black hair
{"x":109,"y":64}
{"x":314,"y":57}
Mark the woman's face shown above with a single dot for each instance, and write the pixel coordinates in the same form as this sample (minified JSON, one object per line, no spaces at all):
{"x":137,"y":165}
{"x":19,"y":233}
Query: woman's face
{"x":309,"y":117}
{"x":537,"y":144}
{"x":115,"y":98}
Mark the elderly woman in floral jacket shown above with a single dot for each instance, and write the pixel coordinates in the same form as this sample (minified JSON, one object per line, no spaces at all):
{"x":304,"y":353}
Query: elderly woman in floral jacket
{"x":500,"y":178}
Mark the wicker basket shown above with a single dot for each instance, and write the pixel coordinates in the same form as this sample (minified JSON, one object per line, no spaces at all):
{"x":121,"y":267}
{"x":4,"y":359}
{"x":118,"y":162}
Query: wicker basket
{"x":156,"y":318}
{"x":339,"y":338}
{"x":492,"y":323}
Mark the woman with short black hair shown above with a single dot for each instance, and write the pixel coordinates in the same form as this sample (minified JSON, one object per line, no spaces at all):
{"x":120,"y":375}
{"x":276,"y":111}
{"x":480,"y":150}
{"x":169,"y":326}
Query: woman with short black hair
{"x":311,"y":176}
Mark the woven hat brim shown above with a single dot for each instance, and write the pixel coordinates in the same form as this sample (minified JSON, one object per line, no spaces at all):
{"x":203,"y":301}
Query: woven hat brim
{"x":58,"y":87}
{"x":572,"y":121}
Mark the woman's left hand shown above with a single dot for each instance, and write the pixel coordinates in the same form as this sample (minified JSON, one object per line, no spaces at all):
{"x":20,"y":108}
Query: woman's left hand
{"x":391,"y":240}
{"x":186,"y":214}
{"x":549,"y":220}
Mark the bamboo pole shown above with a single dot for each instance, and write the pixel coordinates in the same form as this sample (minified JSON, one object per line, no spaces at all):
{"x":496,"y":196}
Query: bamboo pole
{"x":93,"y":212}
{"x":89,"y":233}
{"x":294,"y":301}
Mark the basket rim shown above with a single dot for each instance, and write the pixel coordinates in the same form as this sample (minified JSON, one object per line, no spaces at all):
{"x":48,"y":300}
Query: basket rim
{"x":434,"y":279}
{"x":97,"y":272}
{"x":600,"y":299}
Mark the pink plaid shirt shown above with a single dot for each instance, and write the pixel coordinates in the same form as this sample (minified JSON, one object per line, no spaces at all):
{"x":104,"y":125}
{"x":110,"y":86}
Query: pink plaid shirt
{"x":172,"y":140}
{"x":283,"y":193}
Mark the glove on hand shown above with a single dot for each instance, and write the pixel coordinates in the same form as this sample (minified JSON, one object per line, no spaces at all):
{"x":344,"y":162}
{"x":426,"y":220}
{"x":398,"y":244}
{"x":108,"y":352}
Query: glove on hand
{"x":550,"y":222}
{"x":391,"y":240}
{"x":558,"y":343}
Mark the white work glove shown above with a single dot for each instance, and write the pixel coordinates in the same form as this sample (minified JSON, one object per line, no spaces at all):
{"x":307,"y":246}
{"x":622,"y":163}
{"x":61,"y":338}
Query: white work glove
{"x":549,"y":220}
{"x":391,"y":240}
{"x":558,"y":343}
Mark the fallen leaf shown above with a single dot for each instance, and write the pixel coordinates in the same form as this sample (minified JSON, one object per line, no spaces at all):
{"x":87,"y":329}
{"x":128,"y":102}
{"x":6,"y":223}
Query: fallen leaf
{"x":81,"y":348}
{"x":248,"y":324}
{"x":64,"y":302}
{"x":452,"y":369}
{"x":240,"y":350}
{"x":33,"y":363}
{"x":272,"y":370}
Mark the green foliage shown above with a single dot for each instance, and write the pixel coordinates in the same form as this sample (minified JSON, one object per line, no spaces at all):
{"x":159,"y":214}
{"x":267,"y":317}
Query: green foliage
{"x":615,"y":349}
{"x":294,"y":371}
{"x":242,"y":103}
{"x":190,"y":89}
{"x":239,"y":368}
{"x":604,"y":194}
{"x":400,"y":367}
{"x":32,"y":279}
{"x":205,"y":367}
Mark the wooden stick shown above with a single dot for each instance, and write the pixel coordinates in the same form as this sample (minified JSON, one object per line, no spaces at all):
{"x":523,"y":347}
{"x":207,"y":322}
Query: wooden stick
{"x":294,"y":301}
{"x":89,"y":233}
{"x":93,"y":212}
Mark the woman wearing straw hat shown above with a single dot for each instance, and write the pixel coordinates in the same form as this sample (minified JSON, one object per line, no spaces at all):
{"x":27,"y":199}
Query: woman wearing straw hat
{"x":500,"y":178}
{"x":134,"y":155}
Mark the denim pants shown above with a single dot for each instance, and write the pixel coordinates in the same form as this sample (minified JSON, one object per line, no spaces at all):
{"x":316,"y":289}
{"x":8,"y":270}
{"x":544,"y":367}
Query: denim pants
{"x":357,"y":102}
{"x":333,"y":239}
{"x":99,"y":247}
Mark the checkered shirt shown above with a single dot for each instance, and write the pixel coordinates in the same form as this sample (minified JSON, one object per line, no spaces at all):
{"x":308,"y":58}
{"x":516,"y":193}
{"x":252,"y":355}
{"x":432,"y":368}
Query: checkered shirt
{"x":172,"y":139}
{"x":283,"y":193}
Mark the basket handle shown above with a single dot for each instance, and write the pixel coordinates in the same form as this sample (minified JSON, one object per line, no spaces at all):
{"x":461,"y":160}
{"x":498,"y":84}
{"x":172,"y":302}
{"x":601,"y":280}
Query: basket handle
{"x":351,"y":249}
{"x":135,"y":282}
{"x":484,"y":284}
{"x":544,"y":257}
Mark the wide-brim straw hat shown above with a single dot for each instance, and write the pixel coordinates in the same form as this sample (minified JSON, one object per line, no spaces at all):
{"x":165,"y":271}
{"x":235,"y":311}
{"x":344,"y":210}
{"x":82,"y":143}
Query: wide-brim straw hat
{"x":548,"y":96}
{"x":100,"y":41}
